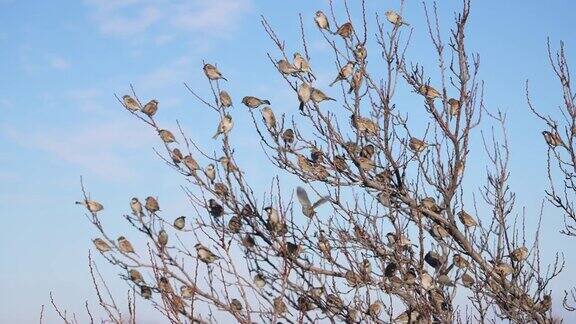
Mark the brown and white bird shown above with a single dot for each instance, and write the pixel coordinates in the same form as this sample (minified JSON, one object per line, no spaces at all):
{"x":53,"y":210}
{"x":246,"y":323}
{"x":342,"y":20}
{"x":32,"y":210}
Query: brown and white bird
{"x":253,"y":102}
{"x":235,"y":305}
{"x":364,"y":125}
{"x":345,"y":30}
{"x":162,"y":238}
{"x":454,"y":105}
{"x":259,"y":280}
{"x":309,"y":209}
{"x":130,"y":103}
{"x":321,"y":20}
{"x":429,"y":92}
{"x":150,"y":108}
{"x":191,"y":164}
{"x":357,"y":79}
{"x":151,"y":204}
{"x":101,"y":245}
{"x":519,"y":254}
{"x":318,"y":96}
{"x":286,"y":67}
{"x":91,"y":205}
{"x":212,"y":72}
{"x":269,"y":118}
{"x":360,"y":53}
{"x":136,"y":207}
{"x":433,"y":259}
{"x":467,"y":219}
{"x":279,"y":305}
{"x":553,"y":139}
{"x":288,"y":136}
{"x":135,"y":276}
{"x":215,"y":209}
{"x":180,"y":223}
{"x":224,"y":127}
{"x":304,"y":94}
{"x":225,"y":99}
{"x":467,"y":280}
{"x":430,"y":204}
{"x":124,"y":245}
{"x":145,"y":292}
{"x":167,"y":136}
{"x":204,"y":254}
{"x":460,"y":262}
{"x":395,"y":18}
{"x":375,"y":309}
{"x":187,"y":292}
{"x":300,"y":63}
{"x":417,"y":145}
{"x":273,"y":219}
{"x":176,"y":155}
{"x":210,"y":172}
{"x":345,"y":72}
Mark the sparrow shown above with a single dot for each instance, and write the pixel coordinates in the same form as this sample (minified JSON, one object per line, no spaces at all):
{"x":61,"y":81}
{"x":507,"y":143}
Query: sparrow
{"x":365,"y":164}
{"x":345,"y":72}
{"x":552,"y":139}
{"x":503,"y":268}
{"x":428,"y":92}
{"x":375,"y":309}
{"x":247,"y":211}
{"x":367,"y":151}
{"x":467,"y":219}
{"x":519,"y":254}
{"x":334,"y":304}
{"x":460,"y":262}
{"x":339,"y":163}
{"x":101,"y":245}
{"x":545,"y":304}
{"x":407,"y":317}
{"x":300,"y":63}
{"x":145,"y":292}
{"x":467,"y":280}
{"x":357,"y":79}
{"x":316,"y":156}
{"x":124,"y":245}
{"x":433,"y":259}
{"x":248,"y":242}
{"x":308,"y":209}
{"x":187,"y":292}
{"x":235,"y":305}
{"x":162,"y":238}
{"x":151,"y":204}
{"x":304,"y":94}
{"x":304,"y":303}
{"x":130,"y":103}
{"x":180,"y":223}
{"x":273,"y":220}
{"x":352,"y":278}
{"x":91,"y":205}
{"x":259,"y":280}
{"x":400,"y":240}
{"x":454,"y":105}
{"x":224,"y":127}
{"x":438,"y":231}
{"x":318,"y":96}
{"x":212,"y":72}
{"x":227,"y":164}
{"x":225,"y":100}
{"x":417,"y":145}
{"x":235,"y":224}
{"x":394,"y":18}
{"x":426,"y":280}
{"x":210,"y":172}
{"x":135,"y":276}
{"x":164,"y":285}
{"x":304,"y":164}
{"x":444,"y":280}
{"x":390,"y":269}
{"x":346,"y":30}
{"x":279,"y":305}
{"x":191,"y":164}
{"x":321,"y":20}
{"x":430,"y":204}
{"x":215,"y":209}
{"x":269,"y":118}
{"x":285,"y":67}
{"x":220,"y":189}
{"x":167,"y":136}
{"x":176,"y":156}
{"x":323,"y":244}
{"x":293,"y":250}
{"x":204,"y":254}
{"x":364,"y":125}
{"x":150,"y":108}
{"x":288,"y":136}
{"x":136,"y":207}
{"x":360,"y":53}
{"x":253,"y":102}
{"x":316,"y":292}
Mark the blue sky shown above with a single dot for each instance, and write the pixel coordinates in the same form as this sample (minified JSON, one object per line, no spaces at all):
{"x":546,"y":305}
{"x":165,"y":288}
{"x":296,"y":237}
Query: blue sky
{"x":61,"y":63}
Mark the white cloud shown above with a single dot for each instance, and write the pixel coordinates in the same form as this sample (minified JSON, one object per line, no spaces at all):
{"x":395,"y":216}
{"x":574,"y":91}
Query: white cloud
{"x":128,"y":18}
{"x":59,"y":63}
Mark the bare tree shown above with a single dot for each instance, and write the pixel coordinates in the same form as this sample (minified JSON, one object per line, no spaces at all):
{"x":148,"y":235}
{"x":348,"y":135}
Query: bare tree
{"x":404,"y":240}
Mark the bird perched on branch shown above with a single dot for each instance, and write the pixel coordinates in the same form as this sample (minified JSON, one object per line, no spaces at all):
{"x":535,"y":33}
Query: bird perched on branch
{"x":101,"y":245}
{"x":91,"y":205}
{"x":300,"y":63}
{"x":321,"y":20}
{"x":345,"y":72}
{"x":309,"y":209}
{"x":318,"y":96}
{"x":253,"y":102}
{"x":304,"y":94}
{"x":429,"y":92}
{"x":212,"y":72}
{"x":395,"y":18}
{"x":167,"y":136}
{"x":150,"y":108}
{"x":204,"y":254}
{"x":553,"y":139}
{"x":224,"y":127}
{"x":151,"y":204}
{"x":136,"y":207}
{"x":346,"y":30}
{"x":269,"y":118}
{"x":286,"y":67}
{"x":225,"y":99}
{"x":130,"y":103}
{"x":180,"y":222}
{"x":125,"y":246}
{"x":467,"y":219}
